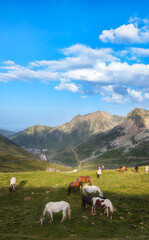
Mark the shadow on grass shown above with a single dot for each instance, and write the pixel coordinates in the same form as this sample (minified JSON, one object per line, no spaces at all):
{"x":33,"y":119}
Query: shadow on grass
{"x":22,"y":213}
{"x":22,"y":183}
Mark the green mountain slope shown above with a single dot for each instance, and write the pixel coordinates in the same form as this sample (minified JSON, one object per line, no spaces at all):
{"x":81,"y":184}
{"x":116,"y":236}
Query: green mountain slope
{"x":15,"y":159}
{"x":95,"y":138}
{"x":7,"y":133}
{"x":127,"y":143}
{"x":10,"y":151}
{"x":77,"y":130}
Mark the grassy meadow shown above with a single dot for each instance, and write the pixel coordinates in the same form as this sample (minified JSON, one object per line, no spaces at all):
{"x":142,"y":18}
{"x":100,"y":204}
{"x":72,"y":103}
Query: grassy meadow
{"x":20,"y":210}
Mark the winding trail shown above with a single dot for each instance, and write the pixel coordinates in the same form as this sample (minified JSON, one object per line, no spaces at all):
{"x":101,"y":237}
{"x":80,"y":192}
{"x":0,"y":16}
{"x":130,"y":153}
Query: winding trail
{"x":76,"y":156}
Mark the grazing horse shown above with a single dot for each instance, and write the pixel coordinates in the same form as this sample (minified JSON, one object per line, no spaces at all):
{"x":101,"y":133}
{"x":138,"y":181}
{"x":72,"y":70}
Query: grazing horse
{"x":85,"y":179}
{"x":73,"y":185}
{"x":105,"y":203}
{"x":136,"y":168}
{"x":92,"y":189}
{"x":122,"y":169}
{"x":55,"y":207}
{"x":86,"y":200}
{"x":12,"y":184}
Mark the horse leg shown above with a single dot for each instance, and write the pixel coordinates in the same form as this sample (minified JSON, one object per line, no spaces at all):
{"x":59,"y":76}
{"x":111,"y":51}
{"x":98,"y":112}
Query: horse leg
{"x":51,"y":217}
{"x":93,"y":210}
{"x":106,"y":211}
{"x":64,"y":216}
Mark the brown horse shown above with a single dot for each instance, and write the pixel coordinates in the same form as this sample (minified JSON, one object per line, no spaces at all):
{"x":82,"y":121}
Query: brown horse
{"x":73,"y":185}
{"x":122,"y":169}
{"x":85,"y":179}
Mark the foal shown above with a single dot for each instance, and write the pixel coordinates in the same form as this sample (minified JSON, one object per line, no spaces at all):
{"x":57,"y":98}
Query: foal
{"x":106,"y":203}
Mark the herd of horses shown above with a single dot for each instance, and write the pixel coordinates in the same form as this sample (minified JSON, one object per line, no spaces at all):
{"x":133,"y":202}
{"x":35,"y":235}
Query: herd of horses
{"x":93,"y":201}
{"x":54,"y":207}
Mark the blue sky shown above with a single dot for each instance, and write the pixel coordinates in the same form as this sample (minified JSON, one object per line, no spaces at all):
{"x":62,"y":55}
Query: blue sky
{"x":59,"y":59}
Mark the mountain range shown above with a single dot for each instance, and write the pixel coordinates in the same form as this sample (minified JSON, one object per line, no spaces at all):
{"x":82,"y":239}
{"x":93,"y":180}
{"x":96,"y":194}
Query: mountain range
{"x":92,"y":139}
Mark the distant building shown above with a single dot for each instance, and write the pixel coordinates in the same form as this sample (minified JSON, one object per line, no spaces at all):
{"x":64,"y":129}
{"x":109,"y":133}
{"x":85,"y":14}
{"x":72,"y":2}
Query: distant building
{"x":51,"y":170}
{"x":43,"y":157}
{"x":44,"y":150}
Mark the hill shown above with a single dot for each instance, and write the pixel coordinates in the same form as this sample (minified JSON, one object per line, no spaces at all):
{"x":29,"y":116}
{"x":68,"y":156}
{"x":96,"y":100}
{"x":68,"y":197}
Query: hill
{"x":21,"y":210}
{"x":15,"y":159}
{"x":7,"y":133}
{"x":76,"y":131}
{"x":10,"y":151}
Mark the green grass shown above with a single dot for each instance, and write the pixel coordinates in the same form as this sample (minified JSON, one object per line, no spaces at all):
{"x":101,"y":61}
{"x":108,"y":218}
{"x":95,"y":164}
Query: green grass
{"x":29,"y":165}
{"x":128,"y":191}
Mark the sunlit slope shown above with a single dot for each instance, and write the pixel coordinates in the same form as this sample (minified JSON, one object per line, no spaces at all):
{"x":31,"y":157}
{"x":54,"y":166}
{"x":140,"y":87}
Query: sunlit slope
{"x":76,"y":131}
{"x":127,"y":143}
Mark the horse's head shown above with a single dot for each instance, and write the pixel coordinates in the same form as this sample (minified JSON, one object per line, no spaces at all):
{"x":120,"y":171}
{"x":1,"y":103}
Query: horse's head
{"x":42,"y":218}
{"x":11,"y":188}
{"x":101,"y":194}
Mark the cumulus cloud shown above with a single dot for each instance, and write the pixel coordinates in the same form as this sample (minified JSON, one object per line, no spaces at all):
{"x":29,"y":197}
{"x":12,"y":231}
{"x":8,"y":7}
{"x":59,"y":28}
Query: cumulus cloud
{"x":67,"y":86}
{"x":77,"y":57}
{"x":111,"y":95}
{"x":135,"y":95}
{"x":133,"y":32}
{"x":115,"y":98}
{"x":89,"y":71}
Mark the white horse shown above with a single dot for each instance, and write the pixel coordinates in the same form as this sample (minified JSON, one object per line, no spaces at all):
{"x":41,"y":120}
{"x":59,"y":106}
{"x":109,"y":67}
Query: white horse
{"x":55,"y":207}
{"x":12,"y":183}
{"x":92,"y":189}
{"x":106,"y":203}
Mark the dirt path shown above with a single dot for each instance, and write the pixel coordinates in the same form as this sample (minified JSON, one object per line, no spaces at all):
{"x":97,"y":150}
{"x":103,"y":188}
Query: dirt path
{"x":76,"y":156}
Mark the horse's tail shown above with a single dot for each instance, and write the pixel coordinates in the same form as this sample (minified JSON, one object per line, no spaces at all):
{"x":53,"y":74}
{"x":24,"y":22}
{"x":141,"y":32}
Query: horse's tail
{"x":69,"y":212}
{"x":69,"y":190}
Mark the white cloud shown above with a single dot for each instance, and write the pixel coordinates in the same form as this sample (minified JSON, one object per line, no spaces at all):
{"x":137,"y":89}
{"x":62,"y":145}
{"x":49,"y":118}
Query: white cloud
{"x":9,"y":62}
{"x":146,"y":96}
{"x":84,"y":97}
{"x":134,"y":54}
{"x":87,"y":71}
{"x":115,"y":98}
{"x":80,"y":56}
{"x":67,"y":86}
{"x":129,"y":33}
{"x":135,"y":95}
